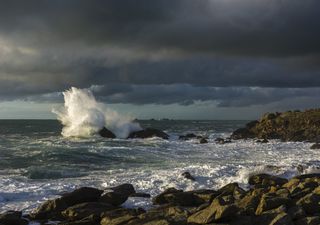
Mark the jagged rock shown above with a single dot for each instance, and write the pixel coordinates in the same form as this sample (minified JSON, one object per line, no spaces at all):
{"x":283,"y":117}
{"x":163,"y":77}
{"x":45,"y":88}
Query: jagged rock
{"x":113,"y":198}
{"x":180,"y":199}
{"x":149,"y":133}
{"x":310,"y":203}
{"x":188,"y":176}
{"x":266,"y":180}
{"x":282,"y":219}
{"x":271,"y":201}
{"x":315,"y":220}
{"x":248,"y":204}
{"x":124,"y":189}
{"x":287,"y":126}
{"x":83,"y":210}
{"x":221,"y":210}
{"x":119,"y":216}
{"x":160,"y":199}
{"x":50,"y":209}
{"x":12,"y":218}
{"x":90,"y":220}
{"x":104,"y":132}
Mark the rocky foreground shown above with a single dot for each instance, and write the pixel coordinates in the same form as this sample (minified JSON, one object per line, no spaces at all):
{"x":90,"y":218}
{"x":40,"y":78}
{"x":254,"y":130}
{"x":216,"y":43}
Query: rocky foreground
{"x":287,"y":126}
{"x":270,"y":201}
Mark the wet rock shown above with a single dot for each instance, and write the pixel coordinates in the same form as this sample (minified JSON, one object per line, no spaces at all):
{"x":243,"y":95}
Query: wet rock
{"x":266,"y":180}
{"x":83,"y":194}
{"x":50,"y":209}
{"x":187,"y":199}
{"x":119,"y":216}
{"x":310,"y":203}
{"x":248,"y":204}
{"x":140,"y":195}
{"x":90,"y":220}
{"x":221,"y":210}
{"x":160,"y":199}
{"x":113,"y":198}
{"x":219,"y":141}
{"x":188,"y":136}
{"x":83,"y":210}
{"x":188,"y":176}
{"x":203,"y":141}
{"x":314,"y":220}
{"x":124,"y":189}
{"x":271,"y":201}
{"x":282,"y":219}
{"x":12,"y":218}
{"x":315,"y":146}
{"x":149,"y":133}
{"x":104,"y":132}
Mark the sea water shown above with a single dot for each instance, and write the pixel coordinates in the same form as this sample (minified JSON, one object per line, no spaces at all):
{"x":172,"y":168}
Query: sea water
{"x":38,"y":163}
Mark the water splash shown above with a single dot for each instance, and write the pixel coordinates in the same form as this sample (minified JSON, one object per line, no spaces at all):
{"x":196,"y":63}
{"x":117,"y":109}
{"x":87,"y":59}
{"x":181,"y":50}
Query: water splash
{"x":83,"y":116}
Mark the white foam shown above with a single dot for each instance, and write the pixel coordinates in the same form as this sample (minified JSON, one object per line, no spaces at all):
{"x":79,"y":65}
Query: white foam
{"x":83,"y":116}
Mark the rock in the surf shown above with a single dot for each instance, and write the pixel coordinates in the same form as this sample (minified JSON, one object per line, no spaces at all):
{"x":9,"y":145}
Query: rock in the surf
{"x":149,"y":133}
{"x":104,"y":132}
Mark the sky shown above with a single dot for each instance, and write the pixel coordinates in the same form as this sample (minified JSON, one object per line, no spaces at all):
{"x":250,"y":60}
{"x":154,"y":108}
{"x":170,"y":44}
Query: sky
{"x":180,"y":59}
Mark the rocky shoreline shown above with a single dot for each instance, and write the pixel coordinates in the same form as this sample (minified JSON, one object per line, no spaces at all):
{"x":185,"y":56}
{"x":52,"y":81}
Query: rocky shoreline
{"x":286,"y":126}
{"x":270,"y":200}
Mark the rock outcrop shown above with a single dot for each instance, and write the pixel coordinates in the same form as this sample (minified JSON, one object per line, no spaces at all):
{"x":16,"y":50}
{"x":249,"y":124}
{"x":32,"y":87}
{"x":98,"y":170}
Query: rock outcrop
{"x":149,"y":133}
{"x":287,"y":126}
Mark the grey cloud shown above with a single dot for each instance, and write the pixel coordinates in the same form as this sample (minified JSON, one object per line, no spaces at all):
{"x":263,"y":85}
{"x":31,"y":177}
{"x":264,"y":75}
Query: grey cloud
{"x":237,"y":53}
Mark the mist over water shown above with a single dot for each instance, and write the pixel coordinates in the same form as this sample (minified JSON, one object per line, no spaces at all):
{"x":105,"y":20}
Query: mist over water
{"x":83,"y":116}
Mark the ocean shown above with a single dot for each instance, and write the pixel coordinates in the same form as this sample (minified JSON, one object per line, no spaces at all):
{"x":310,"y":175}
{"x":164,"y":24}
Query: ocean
{"x":38,"y":163}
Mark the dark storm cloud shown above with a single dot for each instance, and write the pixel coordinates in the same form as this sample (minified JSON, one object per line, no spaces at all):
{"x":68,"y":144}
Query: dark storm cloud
{"x":161,"y":52}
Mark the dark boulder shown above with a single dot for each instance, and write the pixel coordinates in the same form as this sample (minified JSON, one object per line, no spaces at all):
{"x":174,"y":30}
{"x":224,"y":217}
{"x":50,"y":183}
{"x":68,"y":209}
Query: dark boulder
{"x":140,"y":195}
{"x":203,"y":141}
{"x":187,"y":136}
{"x":124,"y":189}
{"x":242,"y":133}
{"x":12,"y":218}
{"x":113,"y":198}
{"x":315,"y":146}
{"x":83,"y":210}
{"x":83,"y":194}
{"x":50,"y":209}
{"x":221,"y":209}
{"x":149,"y":133}
{"x":104,"y":132}
{"x":266,"y":180}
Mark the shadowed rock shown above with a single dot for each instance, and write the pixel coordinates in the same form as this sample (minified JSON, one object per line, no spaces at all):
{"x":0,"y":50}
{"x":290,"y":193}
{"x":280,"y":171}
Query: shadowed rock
{"x":104,"y":132}
{"x":149,"y":133}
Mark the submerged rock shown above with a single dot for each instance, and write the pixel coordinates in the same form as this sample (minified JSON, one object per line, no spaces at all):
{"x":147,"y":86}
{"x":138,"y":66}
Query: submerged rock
{"x":104,"y":132}
{"x":149,"y":133}
{"x":287,"y":126}
{"x":203,"y":141}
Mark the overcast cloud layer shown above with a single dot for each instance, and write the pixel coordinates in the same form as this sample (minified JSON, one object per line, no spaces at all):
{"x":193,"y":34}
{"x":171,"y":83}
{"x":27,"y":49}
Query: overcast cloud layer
{"x":233,"y":53}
